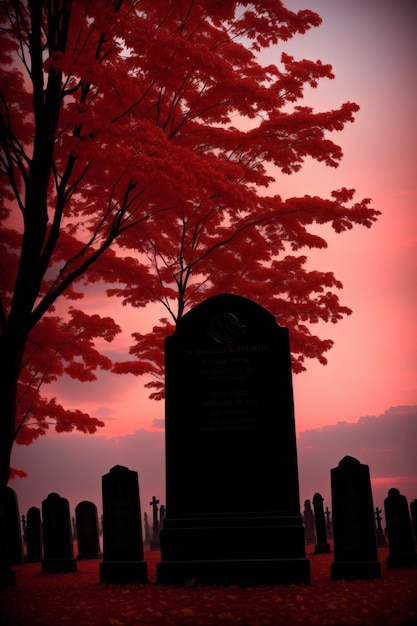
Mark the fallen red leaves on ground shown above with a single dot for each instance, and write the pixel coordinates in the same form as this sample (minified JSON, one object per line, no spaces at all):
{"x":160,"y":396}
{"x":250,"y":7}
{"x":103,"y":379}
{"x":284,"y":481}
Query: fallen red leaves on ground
{"x":77,"y":599}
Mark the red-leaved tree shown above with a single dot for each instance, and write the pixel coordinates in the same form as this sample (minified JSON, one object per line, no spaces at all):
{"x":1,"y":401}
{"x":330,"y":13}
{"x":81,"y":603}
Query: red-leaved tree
{"x":152,"y":126}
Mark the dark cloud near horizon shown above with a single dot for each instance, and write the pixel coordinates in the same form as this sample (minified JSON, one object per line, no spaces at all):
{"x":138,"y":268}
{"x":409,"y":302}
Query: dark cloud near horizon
{"x":72,"y":464}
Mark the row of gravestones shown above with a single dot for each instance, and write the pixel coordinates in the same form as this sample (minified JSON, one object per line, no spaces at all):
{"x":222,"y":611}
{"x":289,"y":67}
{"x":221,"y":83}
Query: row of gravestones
{"x":356,"y":529}
{"x":49,"y":538}
{"x":353,"y":524}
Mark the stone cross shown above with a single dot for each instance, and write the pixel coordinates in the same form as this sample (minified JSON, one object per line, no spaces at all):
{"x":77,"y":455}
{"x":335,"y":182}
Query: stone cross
{"x":154,"y":504}
{"x":380,"y":537}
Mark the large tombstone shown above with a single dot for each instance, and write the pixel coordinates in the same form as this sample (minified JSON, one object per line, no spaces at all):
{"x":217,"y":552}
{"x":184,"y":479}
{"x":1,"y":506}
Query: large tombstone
{"x":232,"y":498}
{"x":33,"y":535}
{"x":86,"y":521}
{"x":123,"y":561}
{"x":355,"y":546}
{"x":402,"y":551}
{"x":58,"y":551}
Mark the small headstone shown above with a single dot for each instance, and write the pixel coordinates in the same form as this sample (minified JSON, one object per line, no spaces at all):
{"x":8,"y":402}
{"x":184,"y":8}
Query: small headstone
{"x":413,"y":511}
{"x":309,"y":524}
{"x":33,"y":536}
{"x":123,"y":561}
{"x":57,"y":536}
{"x":13,"y":533}
{"x":402,"y":550}
{"x":161,"y":516}
{"x":155,"y":544}
{"x":355,"y":549}
{"x":86,"y":520}
{"x":232,"y":497}
{"x":322,"y":546}
{"x":329,"y":522}
{"x":380,"y":536}
{"x":147,"y":540}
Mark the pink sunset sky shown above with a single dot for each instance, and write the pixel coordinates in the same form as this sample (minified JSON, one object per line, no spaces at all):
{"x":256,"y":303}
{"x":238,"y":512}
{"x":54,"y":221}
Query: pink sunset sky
{"x":348,"y":406}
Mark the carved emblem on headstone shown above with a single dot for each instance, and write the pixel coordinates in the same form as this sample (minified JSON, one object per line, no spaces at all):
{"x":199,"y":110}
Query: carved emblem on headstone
{"x":226,"y":328}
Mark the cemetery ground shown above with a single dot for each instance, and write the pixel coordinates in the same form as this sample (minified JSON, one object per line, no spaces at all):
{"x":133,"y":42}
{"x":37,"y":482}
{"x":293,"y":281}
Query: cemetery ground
{"x":77,"y":598}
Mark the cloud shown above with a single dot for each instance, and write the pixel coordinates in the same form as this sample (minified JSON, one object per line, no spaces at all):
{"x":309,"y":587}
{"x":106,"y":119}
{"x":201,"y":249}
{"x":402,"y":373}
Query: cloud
{"x":72,"y":464}
{"x":386,"y":443}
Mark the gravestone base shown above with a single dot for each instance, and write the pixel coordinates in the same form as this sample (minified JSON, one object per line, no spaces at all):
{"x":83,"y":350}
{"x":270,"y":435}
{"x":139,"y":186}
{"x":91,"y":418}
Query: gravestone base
{"x":241,"y":572}
{"x":123,"y":573}
{"x":89,"y":556}
{"x":396,"y":561}
{"x":355,"y":570}
{"x":323,"y":548}
{"x":244,"y":551}
{"x":58,"y":566}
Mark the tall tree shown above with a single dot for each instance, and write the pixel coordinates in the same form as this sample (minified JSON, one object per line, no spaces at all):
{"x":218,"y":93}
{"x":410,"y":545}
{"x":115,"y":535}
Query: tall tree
{"x":152,"y":125}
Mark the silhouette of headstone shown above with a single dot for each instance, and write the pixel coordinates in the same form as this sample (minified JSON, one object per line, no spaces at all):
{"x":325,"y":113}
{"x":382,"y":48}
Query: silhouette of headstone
{"x":147,"y":540}
{"x":413,"y":512}
{"x":232,"y":498}
{"x":161,"y":516}
{"x":123,"y":561}
{"x":309,"y":524}
{"x":155,"y":544}
{"x":13,"y":532}
{"x":355,"y":549}
{"x":58,"y":553}
{"x":380,"y":537}
{"x":86,"y":521}
{"x":329,"y":522}
{"x":33,"y":536}
{"x":402,"y":551}
{"x":322,"y":546}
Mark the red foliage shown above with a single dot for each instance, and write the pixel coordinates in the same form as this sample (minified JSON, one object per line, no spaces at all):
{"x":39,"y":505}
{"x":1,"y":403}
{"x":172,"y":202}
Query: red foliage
{"x":46,"y":600}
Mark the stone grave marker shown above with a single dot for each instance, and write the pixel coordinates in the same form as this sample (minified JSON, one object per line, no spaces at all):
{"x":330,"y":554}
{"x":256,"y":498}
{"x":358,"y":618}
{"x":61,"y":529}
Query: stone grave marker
{"x":13,"y":534}
{"x":322,"y":546}
{"x":232,"y":498}
{"x":123,"y":561}
{"x":58,"y":553}
{"x":402,"y":550}
{"x":355,"y":547}
{"x":147,"y":539}
{"x":329,"y":522}
{"x":155,"y":544}
{"x":86,"y":521}
{"x":33,"y":535}
{"x":309,"y":524}
{"x":380,"y":536}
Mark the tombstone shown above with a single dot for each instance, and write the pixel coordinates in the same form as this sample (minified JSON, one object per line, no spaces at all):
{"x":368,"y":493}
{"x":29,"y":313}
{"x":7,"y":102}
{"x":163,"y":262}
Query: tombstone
{"x":402,"y":551}
{"x":13,"y":533}
{"x":355,"y":548}
{"x":232,"y":499}
{"x":413,"y":511}
{"x":58,"y":553}
{"x":33,"y":536}
{"x":309,"y":524}
{"x":329,"y":523}
{"x":161,"y":516}
{"x":123,"y":561}
{"x":86,"y":521}
{"x":380,"y":537}
{"x":147,"y":540}
{"x":322,"y":547}
{"x":155,"y":544}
